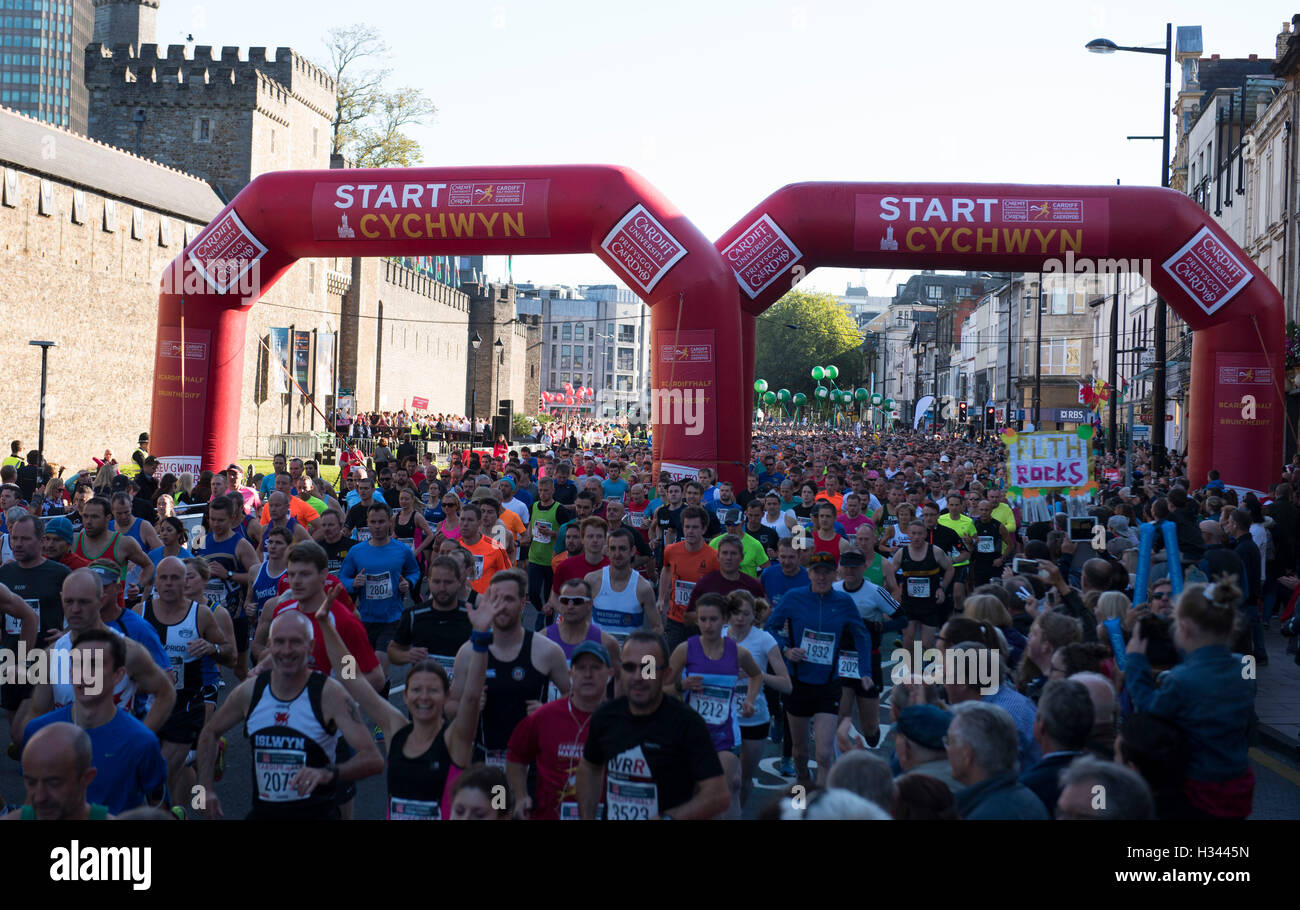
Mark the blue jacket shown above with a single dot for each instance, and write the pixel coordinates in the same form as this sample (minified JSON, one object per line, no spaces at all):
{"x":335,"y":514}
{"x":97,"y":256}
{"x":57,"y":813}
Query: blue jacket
{"x":1210,"y":701}
{"x":1244,"y":546}
{"x":829,"y":613}
{"x":1044,"y":778}
{"x":1000,"y":797}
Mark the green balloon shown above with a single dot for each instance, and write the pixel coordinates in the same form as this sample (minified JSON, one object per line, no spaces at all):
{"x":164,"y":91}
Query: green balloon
{"x":800,"y":399}
{"x":822,"y":392}
{"x":833,"y":372}
{"x":889,"y":404}
{"x":760,"y":385}
{"x":818,"y":373}
{"x":783,"y":394}
{"x":877,"y":400}
{"x":861,"y":394}
{"x":769,"y":397}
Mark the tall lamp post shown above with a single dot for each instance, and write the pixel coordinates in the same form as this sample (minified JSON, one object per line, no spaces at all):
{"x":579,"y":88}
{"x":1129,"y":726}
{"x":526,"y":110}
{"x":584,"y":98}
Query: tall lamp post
{"x":45,"y":353}
{"x":473,"y":393}
{"x":1105,"y":46}
{"x":501,"y":358}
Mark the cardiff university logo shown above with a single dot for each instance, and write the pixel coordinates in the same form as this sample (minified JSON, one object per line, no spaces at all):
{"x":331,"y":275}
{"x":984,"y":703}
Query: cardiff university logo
{"x":346,"y":232}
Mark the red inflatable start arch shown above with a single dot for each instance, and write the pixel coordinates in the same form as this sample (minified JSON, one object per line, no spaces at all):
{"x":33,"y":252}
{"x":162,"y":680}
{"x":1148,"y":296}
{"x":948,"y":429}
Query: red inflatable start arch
{"x":704,"y":297}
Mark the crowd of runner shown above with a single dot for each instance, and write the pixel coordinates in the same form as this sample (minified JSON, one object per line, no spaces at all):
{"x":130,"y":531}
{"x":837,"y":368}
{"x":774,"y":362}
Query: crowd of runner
{"x":573,"y":636}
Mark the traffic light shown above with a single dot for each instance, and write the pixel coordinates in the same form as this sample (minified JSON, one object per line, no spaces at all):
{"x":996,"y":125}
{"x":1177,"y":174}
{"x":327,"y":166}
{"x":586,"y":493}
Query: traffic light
{"x":990,"y":417}
{"x":961,"y":411}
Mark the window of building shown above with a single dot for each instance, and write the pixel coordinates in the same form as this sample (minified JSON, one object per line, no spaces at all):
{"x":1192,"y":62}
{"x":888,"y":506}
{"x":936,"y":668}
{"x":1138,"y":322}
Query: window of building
{"x":566,"y":356}
{"x":566,"y":331}
{"x":577,"y":357}
{"x":555,"y":332}
{"x":609,"y":360}
{"x":554,"y":357}
{"x":578,"y":331}
{"x":1061,"y":356}
{"x":627,"y":334}
{"x":625,"y":359}
{"x":624,"y":384}
{"x":203,"y":130}
{"x":963,"y":292}
{"x":934,"y":291}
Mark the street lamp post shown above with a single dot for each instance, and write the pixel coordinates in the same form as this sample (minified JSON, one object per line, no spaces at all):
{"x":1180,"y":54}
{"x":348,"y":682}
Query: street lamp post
{"x":473,"y":393}
{"x":45,"y":352}
{"x":501,"y":354}
{"x":1105,"y":46}
{"x":1038,"y":358}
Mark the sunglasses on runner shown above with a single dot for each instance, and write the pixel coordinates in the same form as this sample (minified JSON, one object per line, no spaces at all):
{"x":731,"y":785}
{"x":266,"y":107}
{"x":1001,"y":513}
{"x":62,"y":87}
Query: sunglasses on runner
{"x":572,"y":601}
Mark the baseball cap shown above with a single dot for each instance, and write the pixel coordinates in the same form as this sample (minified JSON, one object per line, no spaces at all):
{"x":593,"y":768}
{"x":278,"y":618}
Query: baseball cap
{"x":821,"y":561}
{"x":590,"y":647}
{"x":873,"y":475}
{"x":925,"y":725}
{"x":107,"y":570}
{"x":854,"y":557}
{"x":944,"y":457}
{"x":121,"y":482}
{"x":60,"y":527}
{"x":730,"y":516}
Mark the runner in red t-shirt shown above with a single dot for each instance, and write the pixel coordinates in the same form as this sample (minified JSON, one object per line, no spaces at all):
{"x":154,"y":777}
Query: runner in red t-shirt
{"x":306,"y":574}
{"x":553,"y":737}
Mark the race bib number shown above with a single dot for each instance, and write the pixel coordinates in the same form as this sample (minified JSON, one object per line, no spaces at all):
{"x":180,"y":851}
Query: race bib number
{"x":818,"y":647}
{"x":413,"y":809}
{"x":178,"y":669}
{"x":848,"y":665}
{"x":542,"y":531}
{"x":14,"y":624}
{"x":478,"y":567}
{"x":215,"y":592}
{"x":379,"y":587}
{"x":627,"y":801}
{"x":984,"y":544}
{"x":276,"y":768}
{"x":682,"y":592}
{"x":636,"y":519}
{"x":569,"y":811}
{"x":918,"y":587}
{"x":448,"y":664}
{"x":363,"y":535}
{"x":495,"y":758}
{"x":618,"y":498}
{"x":713,"y":703}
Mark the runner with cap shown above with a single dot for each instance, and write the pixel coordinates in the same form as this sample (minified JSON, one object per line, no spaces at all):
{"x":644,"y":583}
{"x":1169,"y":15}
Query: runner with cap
{"x":754,"y":556}
{"x":550,"y":740}
{"x":57,"y":541}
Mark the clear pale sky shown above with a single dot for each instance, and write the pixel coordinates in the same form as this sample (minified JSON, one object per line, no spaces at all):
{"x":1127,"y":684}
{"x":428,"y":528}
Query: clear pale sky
{"x":720,"y":102}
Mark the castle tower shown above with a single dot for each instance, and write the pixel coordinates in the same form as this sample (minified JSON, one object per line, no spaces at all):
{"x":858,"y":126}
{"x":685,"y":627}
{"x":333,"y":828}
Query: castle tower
{"x":129,"y":22}
{"x":225,"y":118}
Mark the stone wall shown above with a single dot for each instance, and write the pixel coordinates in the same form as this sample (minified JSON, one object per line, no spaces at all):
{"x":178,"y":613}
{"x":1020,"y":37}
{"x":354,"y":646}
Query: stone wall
{"x":93,"y":291}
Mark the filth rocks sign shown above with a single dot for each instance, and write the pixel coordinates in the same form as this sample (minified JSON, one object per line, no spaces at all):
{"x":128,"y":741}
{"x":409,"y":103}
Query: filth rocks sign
{"x":980,"y":225}
{"x":454,"y":210}
{"x":1048,"y":460}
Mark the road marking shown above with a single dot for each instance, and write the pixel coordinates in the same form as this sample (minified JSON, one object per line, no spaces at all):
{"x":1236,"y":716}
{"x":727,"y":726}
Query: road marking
{"x":1276,"y":766}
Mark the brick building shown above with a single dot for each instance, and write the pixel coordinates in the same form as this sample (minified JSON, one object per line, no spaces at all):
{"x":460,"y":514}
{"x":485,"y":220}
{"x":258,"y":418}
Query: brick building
{"x":205,"y":123}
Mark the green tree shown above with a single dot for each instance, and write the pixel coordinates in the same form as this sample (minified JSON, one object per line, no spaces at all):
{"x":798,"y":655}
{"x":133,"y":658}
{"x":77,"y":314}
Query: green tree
{"x":824,"y":334}
{"x":370,"y":119}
